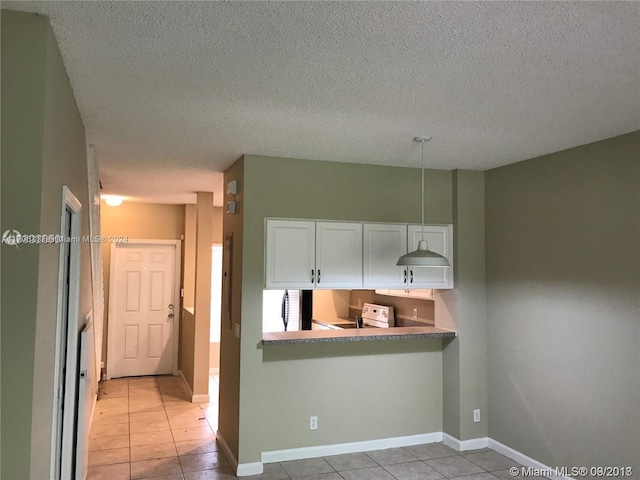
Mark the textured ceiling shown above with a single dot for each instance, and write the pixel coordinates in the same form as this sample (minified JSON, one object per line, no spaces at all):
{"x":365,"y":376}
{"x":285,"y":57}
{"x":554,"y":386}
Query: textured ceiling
{"x":171,"y":93}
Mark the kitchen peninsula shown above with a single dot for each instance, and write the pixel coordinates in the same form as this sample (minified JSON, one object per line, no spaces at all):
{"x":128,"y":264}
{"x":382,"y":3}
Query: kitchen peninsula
{"x":374,"y":322}
{"x":355,"y":335}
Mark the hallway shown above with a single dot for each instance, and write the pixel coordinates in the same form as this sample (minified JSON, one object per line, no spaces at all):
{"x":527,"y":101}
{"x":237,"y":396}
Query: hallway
{"x":146,"y":427}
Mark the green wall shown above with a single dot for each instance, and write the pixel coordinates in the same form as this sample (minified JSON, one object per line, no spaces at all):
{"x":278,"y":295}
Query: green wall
{"x":23,"y":89}
{"x":43,"y":149}
{"x":563,"y":283}
{"x":346,"y":385}
{"x":291,"y":188}
{"x":465,"y":357}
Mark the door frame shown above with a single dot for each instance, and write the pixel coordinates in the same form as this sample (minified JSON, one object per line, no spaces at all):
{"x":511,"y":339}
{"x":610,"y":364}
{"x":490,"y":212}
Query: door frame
{"x":175,"y":332}
{"x":67,"y":443}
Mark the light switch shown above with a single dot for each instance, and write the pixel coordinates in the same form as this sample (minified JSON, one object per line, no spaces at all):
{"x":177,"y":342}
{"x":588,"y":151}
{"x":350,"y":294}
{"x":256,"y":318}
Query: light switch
{"x":237,"y":330}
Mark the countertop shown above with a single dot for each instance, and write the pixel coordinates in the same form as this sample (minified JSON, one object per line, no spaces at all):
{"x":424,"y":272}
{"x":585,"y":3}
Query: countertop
{"x":335,"y":322}
{"x":355,"y":335}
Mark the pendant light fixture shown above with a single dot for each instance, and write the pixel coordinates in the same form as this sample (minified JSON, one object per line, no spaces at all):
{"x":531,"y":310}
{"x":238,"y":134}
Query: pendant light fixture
{"x":422,"y":256}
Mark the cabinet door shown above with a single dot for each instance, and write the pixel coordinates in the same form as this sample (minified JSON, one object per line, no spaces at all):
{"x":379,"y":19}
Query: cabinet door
{"x":383,"y":245}
{"x":423,"y":293}
{"x":290,"y":254}
{"x":338,"y":255}
{"x":440,"y":240}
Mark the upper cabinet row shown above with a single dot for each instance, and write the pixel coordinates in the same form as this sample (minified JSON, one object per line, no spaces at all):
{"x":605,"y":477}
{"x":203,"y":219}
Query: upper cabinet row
{"x":303,"y":254}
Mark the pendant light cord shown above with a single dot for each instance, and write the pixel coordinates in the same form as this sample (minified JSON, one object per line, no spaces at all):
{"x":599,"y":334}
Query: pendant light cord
{"x":422,"y":203}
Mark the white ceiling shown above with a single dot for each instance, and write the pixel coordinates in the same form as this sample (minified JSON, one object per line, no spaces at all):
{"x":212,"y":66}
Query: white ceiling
{"x":171,"y":93}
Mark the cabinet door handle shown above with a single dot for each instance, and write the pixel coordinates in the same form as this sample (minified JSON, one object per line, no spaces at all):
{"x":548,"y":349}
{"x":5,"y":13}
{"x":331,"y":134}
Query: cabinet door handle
{"x":312,"y":276}
{"x":318,"y":275}
{"x":411,"y":278}
{"x":405,"y":275}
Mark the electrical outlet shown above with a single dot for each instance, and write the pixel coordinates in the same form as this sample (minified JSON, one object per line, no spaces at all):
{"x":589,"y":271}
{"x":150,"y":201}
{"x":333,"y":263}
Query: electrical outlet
{"x":313,"y":423}
{"x":415,"y":313}
{"x":476,"y":415}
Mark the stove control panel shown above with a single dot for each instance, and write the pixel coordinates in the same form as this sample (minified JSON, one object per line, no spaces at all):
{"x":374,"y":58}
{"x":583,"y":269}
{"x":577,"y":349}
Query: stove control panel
{"x":378,"y":315}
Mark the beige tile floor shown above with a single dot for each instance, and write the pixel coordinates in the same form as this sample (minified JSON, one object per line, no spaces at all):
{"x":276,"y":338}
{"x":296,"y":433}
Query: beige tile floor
{"x":147,"y":428}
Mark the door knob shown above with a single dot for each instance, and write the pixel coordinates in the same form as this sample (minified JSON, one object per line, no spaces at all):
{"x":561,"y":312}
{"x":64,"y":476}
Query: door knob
{"x":171,"y":306}
{"x":171,"y":315}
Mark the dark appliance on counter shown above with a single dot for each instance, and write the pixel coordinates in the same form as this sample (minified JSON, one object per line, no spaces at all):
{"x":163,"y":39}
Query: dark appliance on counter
{"x":284,"y":309}
{"x":306,"y":308}
{"x":305,"y":299}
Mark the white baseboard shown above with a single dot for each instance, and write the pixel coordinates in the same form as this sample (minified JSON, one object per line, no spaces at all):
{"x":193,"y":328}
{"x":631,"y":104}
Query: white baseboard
{"x":186,"y":384}
{"x":352,"y":447}
{"x":257,"y":468}
{"x":522,"y":459}
{"x":465,"y":445}
{"x":227,"y":451}
{"x":246,"y":469}
{"x":241,"y":469}
{"x":201,"y":398}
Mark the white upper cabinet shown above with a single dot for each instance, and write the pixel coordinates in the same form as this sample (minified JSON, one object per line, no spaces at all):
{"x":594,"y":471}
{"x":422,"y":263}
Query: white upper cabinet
{"x":440,"y":240}
{"x":384,"y":243}
{"x":338,"y":255}
{"x":304,"y":254}
{"x":290,"y":254}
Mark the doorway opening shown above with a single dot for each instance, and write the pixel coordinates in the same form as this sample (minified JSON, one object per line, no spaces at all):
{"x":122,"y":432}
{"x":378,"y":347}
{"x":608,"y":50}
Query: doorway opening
{"x":216,"y":314}
{"x":66,"y":374}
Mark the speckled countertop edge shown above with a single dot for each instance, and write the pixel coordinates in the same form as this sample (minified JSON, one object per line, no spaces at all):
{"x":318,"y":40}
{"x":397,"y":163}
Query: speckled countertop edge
{"x":324,"y":336}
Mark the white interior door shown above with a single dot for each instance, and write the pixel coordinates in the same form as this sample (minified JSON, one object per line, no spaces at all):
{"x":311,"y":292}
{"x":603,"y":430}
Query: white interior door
{"x":85,"y":399}
{"x":141,"y":315}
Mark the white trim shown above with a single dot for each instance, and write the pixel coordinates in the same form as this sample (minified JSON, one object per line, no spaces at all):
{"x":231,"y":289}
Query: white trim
{"x":227,"y":451}
{"x":200,"y":398}
{"x":176,"y":299}
{"x":246,"y":469}
{"x":352,"y":447}
{"x":96,"y":256}
{"x":67,"y":445}
{"x":464,"y":445}
{"x":186,"y":384}
{"x":214,"y":371}
{"x":521,"y":458}
{"x":241,"y":469}
{"x":257,"y":468}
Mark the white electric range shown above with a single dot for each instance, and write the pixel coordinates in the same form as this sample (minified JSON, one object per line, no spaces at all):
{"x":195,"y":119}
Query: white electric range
{"x":379,"y":316}
{"x":373,"y":316}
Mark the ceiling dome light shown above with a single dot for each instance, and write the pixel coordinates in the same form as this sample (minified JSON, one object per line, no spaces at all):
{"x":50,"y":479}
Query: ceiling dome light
{"x":112,"y":200}
{"x":422,"y":256}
